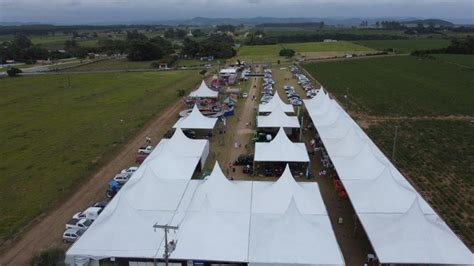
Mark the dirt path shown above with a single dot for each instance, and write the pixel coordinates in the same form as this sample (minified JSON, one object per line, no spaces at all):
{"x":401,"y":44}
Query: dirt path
{"x":246,"y":117}
{"x":47,"y":231}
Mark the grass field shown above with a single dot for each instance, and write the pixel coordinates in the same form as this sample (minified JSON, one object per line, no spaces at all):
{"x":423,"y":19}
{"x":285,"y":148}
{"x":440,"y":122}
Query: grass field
{"x":55,"y":136}
{"x":402,"y":86}
{"x":406,"y":46}
{"x":432,"y":103}
{"x":340,"y":46}
{"x":459,"y":59}
{"x":114,"y":64}
{"x":191,"y":62}
{"x":259,"y":53}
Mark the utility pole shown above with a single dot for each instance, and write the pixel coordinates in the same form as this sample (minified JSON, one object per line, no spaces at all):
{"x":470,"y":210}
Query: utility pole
{"x":394,"y":144}
{"x":166,"y":228}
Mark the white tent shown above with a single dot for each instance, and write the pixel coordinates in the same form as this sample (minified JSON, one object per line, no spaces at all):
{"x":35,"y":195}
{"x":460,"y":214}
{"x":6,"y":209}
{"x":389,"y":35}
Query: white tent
{"x":204,"y":92}
{"x":399,"y":231}
{"x":196,"y":120}
{"x":277,"y":118}
{"x":213,"y":236}
{"x":280,"y":149}
{"x":274,"y":102}
{"x":317,"y":101}
{"x":223,"y":194}
{"x":414,"y":237}
{"x":274,"y":197}
{"x":293,"y":239}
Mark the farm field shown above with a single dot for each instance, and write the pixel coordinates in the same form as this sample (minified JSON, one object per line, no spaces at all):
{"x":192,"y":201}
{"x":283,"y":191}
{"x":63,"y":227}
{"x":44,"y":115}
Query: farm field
{"x":259,"y":53}
{"x":406,"y":46}
{"x":339,"y":46}
{"x":459,"y":59}
{"x":432,"y":104}
{"x":399,"y":86}
{"x":48,"y":152}
{"x":113,"y":64}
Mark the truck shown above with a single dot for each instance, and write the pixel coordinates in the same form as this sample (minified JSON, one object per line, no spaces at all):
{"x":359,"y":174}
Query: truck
{"x":90,"y":213}
{"x":145,"y":150}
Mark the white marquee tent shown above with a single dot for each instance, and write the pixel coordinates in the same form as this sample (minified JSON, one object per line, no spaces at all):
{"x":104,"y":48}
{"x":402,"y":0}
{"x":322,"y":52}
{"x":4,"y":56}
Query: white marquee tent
{"x":277,"y":118}
{"x":204,"y":92}
{"x":280,"y":149}
{"x":401,"y":226}
{"x":290,"y":239}
{"x":275,"y":102}
{"x":196,"y":120}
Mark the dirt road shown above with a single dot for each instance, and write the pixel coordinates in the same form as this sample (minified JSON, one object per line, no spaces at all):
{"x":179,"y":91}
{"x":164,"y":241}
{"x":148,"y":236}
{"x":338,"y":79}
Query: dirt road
{"x":47,"y":232}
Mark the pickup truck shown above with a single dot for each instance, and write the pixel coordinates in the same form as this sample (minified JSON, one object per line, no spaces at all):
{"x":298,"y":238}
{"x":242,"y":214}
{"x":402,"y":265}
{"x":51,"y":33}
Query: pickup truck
{"x":90,"y":213}
{"x":145,"y":150}
{"x":78,"y":224}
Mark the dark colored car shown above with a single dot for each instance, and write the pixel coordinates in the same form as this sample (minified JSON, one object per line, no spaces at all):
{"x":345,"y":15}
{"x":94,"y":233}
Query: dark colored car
{"x":244,"y":159}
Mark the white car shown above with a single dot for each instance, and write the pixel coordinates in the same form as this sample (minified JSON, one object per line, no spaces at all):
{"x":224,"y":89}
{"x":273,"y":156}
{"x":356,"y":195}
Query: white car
{"x":71,"y":235}
{"x":78,"y":224}
{"x":145,"y":150}
{"x":245,"y":95}
{"x":130,"y":170}
{"x":122,"y":178}
{"x":90,"y":213}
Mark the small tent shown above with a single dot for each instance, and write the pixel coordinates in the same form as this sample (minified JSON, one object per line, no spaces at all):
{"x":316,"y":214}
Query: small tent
{"x":196,"y":120}
{"x":204,"y":92}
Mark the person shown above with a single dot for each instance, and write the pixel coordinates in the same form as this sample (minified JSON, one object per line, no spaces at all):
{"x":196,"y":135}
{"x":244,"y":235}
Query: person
{"x":148,"y":139}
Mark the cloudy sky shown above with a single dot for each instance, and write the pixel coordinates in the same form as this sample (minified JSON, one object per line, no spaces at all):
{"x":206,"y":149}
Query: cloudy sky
{"x":103,"y":11}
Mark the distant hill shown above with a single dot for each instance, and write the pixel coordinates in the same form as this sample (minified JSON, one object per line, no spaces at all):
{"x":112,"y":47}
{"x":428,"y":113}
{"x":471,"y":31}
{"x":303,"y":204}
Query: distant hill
{"x":436,"y":22}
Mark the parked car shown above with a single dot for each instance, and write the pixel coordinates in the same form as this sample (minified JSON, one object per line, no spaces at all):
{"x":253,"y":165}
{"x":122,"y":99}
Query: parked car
{"x":71,"y":235}
{"x":100,"y":204}
{"x":145,"y":150}
{"x":245,"y":95}
{"x":244,"y":159}
{"x":90,"y":213}
{"x":112,"y":189}
{"x":121,"y":178}
{"x":78,"y":223}
{"x":190,"y":133}
{"x":141,"y":158}
{"x":129,"y":170}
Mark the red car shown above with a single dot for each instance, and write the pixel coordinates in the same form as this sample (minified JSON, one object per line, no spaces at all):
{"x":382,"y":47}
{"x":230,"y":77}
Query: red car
{"x":141,"y":158}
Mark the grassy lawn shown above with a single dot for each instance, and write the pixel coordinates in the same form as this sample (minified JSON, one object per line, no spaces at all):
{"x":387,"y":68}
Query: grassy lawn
{"x":438,"y":157}
{"x":259,"y":53}
{"x":403,"y":86}
{"x":435,"y":153}
{"x":54,"y":136}
{"x":466,"y":60}
{"x":114,"y":64}
{"x":339,"y":46}
{"x":406,"y":46}
{"x":191,"y":62}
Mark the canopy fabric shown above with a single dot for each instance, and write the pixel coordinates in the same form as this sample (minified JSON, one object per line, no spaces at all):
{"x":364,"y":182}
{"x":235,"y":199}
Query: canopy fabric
{"x":196,"y":120}
{"x":274,"y":197}
{"x":275,"y":102}
{"x":211,"y":235}
{"x":277,"y":118}
{"x":223,"y":194}
{"x":204,"y":92}
{"x":217,"y":222}
{"x":414,"y":237}
{"x":280,"y":149}
{"x":290,"y":238}
{"x":401,"y":226}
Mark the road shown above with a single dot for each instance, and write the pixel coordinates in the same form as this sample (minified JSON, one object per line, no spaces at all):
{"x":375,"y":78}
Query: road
{"x":47,"y":231}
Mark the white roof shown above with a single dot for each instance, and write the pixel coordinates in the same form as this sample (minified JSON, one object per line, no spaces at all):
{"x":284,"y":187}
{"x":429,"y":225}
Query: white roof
{"x":274,"y":197}
{"x":211,"y":235}
{"x":414,"y":237}
{"x":223,"y":194}
{"x":280,"y":149}
{"x":277,"y":118}
{"x":401,"y":226}
{"x":292,"y":238}
{"x":273,"y":103}
{"x":204,"y":92}
{"x":196,"y":120}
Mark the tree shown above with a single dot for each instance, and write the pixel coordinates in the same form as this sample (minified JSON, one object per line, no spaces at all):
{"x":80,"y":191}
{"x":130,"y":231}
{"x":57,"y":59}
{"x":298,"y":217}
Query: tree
{"x":13,"y":72}
{"x":169,"y":33}
{"x":143,"y":50}
{"x":287,"y":52}
{"x":49,"y":257}
{"x":321,"y":24}
{"x":190,"y":47}
{"x":202,"y":72}
{"x":165,"y":45}
{"x":70,"y":44}
{"x":377,"y":24}
{"x":135,"y":35}
{"x":22,"y":42}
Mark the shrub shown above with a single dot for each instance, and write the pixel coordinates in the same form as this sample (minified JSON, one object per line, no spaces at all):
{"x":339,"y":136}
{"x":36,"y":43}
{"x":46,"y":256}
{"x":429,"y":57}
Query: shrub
{"x":13,"y":72}
{"x":49,"y":257}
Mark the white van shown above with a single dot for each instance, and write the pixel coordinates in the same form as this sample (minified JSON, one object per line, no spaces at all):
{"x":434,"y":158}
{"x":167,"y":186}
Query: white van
{"x":90,"y":213}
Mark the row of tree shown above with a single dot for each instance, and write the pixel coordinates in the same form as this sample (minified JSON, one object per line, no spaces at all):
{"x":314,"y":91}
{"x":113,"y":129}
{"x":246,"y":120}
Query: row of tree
{"x":317,"y":37}
{"x":22,"y":49}
{"x":216,"y":45}
{"x":457,"y":46}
